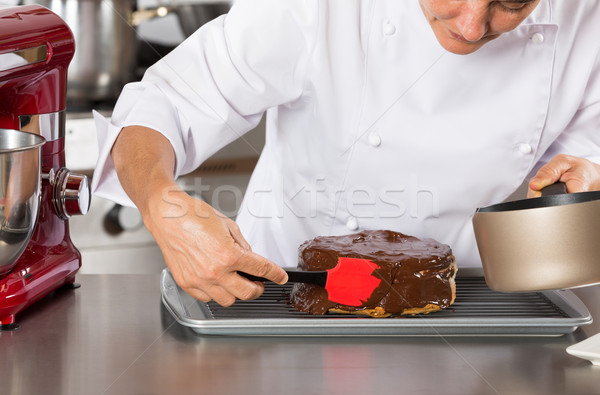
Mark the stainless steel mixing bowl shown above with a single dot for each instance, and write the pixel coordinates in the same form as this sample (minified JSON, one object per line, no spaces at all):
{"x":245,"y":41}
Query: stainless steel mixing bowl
{"x":20,"y":185}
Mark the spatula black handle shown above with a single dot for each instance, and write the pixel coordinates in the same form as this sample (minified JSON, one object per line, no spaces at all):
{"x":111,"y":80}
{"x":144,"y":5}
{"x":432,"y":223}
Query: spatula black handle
{"x":296,"y":276}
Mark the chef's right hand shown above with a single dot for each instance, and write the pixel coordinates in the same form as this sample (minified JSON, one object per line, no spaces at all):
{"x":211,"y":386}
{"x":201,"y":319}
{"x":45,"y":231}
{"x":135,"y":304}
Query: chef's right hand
{"x":204,"y":249}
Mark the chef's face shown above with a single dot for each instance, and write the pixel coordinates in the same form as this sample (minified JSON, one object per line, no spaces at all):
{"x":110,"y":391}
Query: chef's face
{"x":464,"y":26}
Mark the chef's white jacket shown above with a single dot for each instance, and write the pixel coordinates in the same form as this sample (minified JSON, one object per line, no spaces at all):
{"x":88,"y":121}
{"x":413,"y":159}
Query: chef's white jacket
{"x":371,"y":124}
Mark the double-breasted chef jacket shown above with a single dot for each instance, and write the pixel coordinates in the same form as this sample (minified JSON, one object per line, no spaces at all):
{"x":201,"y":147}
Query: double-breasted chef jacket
{"x":370,"y":123}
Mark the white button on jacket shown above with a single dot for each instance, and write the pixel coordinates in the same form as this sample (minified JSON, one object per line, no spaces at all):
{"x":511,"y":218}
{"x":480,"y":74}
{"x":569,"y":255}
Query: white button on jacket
{"x":389,"y":29}
{"x":352,"y":223}
{"x":374,"y":140}
{"x":525,"y":148}
{"x":538,"y":38}
{"x":325,"y":76}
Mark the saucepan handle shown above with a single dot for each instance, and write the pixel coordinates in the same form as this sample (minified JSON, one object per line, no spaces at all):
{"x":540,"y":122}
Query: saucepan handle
{"x":557,"y":188}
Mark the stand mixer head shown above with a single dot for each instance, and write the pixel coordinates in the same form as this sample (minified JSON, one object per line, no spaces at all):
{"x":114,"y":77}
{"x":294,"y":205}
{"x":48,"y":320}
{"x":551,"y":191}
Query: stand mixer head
{"x":36,"y":47}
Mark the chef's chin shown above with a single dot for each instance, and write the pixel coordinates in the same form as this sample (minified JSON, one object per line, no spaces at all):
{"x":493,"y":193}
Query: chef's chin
{"x":460,"y":47}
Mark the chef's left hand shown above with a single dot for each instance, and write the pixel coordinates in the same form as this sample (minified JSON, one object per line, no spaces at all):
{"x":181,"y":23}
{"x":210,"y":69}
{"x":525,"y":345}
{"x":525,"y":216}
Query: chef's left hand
{"x":580,"y":175}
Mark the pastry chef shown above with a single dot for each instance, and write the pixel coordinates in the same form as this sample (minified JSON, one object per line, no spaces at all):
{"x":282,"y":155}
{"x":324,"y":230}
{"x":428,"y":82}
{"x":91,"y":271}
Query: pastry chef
{"x":380,"y":114}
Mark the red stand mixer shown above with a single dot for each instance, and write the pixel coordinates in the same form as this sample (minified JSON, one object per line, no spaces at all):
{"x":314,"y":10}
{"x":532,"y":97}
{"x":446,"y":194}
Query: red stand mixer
{"x":36,"y":47}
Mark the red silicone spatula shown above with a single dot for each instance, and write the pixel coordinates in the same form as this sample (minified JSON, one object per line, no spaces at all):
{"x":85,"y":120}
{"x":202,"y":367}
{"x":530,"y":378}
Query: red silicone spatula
{"x":351,"y":282}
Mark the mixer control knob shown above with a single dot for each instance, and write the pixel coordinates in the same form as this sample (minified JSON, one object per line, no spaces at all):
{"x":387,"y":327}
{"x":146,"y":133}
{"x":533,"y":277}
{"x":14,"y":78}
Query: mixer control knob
{"x":71,"y":193}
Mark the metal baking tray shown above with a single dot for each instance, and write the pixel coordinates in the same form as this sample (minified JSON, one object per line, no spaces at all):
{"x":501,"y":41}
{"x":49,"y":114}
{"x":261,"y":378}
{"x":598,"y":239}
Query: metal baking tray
{"x":476,"y":311}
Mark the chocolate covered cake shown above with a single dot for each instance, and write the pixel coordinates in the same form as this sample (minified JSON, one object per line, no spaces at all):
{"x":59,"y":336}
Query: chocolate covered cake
{"x":417,"y":275}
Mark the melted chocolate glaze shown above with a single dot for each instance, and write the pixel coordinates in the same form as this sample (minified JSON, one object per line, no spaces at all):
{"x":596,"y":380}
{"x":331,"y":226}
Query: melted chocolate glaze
{"x":414,"y":272}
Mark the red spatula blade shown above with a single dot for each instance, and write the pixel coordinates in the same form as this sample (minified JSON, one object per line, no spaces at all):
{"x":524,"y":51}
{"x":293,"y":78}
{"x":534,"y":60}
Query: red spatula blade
{"x":351,"y":282}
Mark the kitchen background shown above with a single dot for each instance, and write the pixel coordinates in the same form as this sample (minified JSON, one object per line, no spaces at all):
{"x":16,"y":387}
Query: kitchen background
{"x":111,"y":238}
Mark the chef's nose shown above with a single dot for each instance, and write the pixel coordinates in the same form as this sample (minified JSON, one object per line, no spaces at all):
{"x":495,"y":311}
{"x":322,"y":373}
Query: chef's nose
{"x":472,"y":23}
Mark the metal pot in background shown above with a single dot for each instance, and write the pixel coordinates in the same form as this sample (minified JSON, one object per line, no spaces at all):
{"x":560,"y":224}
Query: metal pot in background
{"x":192,"y":16}
{"x":19,"y":193}
{"x":549,"y":242}
{"x":105,"y":45}
{"x":107,"y":42}
{"x":189,"y":16}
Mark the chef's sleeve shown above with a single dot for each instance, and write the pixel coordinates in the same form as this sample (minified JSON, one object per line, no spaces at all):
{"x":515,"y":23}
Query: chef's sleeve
{"x":215,"y":86}
{"x":581,"y":137}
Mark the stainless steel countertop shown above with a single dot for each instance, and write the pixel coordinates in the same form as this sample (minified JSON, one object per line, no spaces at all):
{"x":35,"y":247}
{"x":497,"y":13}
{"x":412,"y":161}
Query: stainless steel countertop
{"x":113,"y":336}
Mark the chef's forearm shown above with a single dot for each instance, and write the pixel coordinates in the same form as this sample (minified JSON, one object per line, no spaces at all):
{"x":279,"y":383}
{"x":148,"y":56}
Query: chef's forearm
{"x":145,"y":163}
